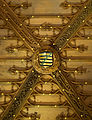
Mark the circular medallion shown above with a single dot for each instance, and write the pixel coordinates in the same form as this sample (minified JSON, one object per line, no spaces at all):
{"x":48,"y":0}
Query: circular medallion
{"x":45,"y":60}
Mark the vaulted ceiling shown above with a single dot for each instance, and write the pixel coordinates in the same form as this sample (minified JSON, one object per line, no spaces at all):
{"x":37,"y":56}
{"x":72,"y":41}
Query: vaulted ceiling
{"x":45,"y":59}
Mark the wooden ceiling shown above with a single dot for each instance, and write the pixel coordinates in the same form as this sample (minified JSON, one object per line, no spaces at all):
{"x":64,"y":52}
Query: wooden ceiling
{"x":45,"y":60}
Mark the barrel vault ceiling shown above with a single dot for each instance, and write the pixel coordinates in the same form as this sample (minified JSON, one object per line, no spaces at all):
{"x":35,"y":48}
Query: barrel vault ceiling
{"x":46,"y":59}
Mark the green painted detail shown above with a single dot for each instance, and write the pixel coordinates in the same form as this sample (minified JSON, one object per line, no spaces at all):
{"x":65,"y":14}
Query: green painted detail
{"x":45,"y":59}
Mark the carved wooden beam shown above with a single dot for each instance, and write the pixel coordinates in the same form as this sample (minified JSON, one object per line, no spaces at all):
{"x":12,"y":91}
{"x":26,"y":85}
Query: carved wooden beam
{"x":74,"y":25}
{"x":21,"y":30}
{"x":75,"y":101}
{"x":21,"y":96}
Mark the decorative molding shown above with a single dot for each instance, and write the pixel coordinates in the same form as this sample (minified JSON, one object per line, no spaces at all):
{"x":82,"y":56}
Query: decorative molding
{"x":36,"y":63}
{"x":21,"y":96}
{"x":71,"y":95}
{"x":17,"y":25}
{"x":74,"y":25}
{"x":27,"y":86}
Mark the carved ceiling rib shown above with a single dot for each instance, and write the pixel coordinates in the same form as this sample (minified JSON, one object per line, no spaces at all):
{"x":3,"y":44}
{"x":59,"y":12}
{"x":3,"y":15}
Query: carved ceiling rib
{"x":65,"y":85}
{"x":17,"y":25}
{"x":21,"y":96}
{"x":30,"y":81}
{"x":74,"y":25}
{"x":71,"y":95}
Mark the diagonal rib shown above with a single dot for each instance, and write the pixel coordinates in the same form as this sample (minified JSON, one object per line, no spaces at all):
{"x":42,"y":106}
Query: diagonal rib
{"x":21,"y":96}
{"x":75,"y":101}
{"x":74,"y":25}
{"x":20,"y":29}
